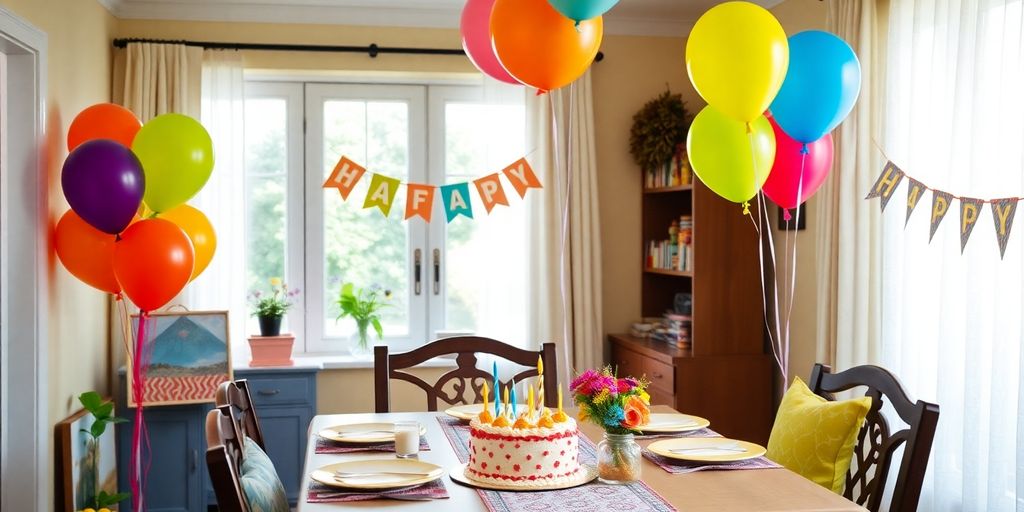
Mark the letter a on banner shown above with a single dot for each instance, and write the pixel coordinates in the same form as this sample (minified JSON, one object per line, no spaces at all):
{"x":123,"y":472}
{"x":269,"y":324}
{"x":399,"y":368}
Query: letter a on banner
{"x":345,"y":176}
{"x":456,"y":200}
{"x":382,"y":193}
{"x":490,"y":191}
{"x":940,"y":205}
{"x":915,"y":189}
{"x":521,"y":175}
{"x":970,"y":210}
{"x":1003,"y":211}
{"x":886,"y":183}
{"x":419,"y":200}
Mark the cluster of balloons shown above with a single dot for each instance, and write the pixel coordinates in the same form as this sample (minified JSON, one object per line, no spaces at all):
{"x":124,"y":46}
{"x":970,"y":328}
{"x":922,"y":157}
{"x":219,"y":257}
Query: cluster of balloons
{"x":545,"y":44}
{"x":129,"y":230}
{"x":742,"y":64}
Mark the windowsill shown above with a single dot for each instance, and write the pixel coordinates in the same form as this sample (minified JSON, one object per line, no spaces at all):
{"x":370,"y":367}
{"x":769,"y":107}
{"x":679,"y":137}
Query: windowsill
{"x":342,"y":362}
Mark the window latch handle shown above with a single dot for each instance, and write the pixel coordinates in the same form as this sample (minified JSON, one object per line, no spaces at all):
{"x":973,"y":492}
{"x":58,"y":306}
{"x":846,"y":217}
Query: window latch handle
{"x":437,"y":271}
{"x":417,"y":271}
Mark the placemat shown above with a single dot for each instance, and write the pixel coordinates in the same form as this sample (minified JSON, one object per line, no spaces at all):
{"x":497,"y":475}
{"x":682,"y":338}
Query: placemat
{"x":591,"y":497}
{"x":328,"y":446}
{"x":320,"y":493}
{"x":680,"y":467}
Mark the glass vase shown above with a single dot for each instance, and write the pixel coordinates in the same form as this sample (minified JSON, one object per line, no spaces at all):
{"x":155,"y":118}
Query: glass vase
{"x":360,"y":340}
{"x":618,"y":459}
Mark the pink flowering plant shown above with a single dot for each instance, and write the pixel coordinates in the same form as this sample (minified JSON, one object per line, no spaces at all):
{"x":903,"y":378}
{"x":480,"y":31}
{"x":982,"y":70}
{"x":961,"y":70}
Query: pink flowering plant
{"x":618,"y":405}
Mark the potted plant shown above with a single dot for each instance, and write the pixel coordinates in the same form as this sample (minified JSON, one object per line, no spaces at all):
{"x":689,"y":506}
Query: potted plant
{"x":270,"y":309}
{"x":364,"y":306}
{"x":102,"y":412}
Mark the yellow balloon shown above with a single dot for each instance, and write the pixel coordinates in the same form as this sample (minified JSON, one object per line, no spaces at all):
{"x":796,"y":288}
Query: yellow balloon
{"x":730,"y":161}
{"x":176,"y":153}
{"x":199,"y":230}
{"x":737,"y":56}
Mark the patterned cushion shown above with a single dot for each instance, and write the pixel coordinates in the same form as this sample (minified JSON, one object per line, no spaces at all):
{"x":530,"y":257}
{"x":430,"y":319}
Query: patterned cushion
{"x":815,"y":437}
{"x":260,"y":484}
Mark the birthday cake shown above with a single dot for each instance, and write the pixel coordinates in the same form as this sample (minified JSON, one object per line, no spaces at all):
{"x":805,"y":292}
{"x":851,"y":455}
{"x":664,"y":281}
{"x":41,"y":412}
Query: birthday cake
{"x":524,"y":454}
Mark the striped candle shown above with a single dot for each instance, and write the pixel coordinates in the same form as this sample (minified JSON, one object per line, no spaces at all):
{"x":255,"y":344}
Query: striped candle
{"x":497,"y":389}
{"x":540,"y":384}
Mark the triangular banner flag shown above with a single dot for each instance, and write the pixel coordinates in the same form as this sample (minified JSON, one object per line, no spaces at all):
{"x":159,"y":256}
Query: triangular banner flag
{"x":915,"y":189}
{"x":886,"y":183}
{"x":1003,"y":211}
{"x":456,"y":200}
{"x":491,"y":193}
{"x":940,"y":205}
{"x":345,"y":176}
{"x":382,"y":193}
{"x":970,"y":212}
{"x":521,"y":175}
{"x":419,"y":200}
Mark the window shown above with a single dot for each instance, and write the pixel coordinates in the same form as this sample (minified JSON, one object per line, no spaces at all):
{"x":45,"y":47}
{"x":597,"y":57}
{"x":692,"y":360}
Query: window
{"x":434,"y":134}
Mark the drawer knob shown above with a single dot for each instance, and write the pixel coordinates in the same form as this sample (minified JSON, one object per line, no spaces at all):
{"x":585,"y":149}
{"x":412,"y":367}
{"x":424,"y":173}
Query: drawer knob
{"x":658,"y":375}
{"x":269,"y":392}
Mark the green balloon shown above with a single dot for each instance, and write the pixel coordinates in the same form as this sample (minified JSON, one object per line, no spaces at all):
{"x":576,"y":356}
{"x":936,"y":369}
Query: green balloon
{"x":177,"y":158}
{"x":730,"y":161}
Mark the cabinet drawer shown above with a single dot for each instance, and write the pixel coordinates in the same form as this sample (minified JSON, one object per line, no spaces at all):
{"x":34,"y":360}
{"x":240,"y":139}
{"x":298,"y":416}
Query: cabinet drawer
{"x":280,"y":390}
{"x":627,"y":363}
{"x":660,"y":397}
{"x":661,"y":375}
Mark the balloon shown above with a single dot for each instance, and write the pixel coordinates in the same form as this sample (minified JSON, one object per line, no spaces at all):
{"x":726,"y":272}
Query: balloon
{"x":476,"y":40}
{"x":821,"y":86}
{"x":153,"y":262}
{"x":104,"y":183}
{"x":736,"y":57}
{"x":86,"y":252}
{"x":177,"y":157}
{"x":579,"y":10}
{"x":783,"y":184}
{"x":199,"y":231}
{"x":720,"y":148}
{"x":540,"y":47}
{"x":103,"y":121}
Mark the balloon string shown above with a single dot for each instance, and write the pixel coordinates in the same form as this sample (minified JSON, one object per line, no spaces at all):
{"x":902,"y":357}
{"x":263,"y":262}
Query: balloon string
{"x":792,"y":259}
{"x":136,"y":469}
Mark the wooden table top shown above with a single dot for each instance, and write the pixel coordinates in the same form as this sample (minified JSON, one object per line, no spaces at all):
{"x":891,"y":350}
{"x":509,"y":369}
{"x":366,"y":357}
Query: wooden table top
{"x":717,"y":491}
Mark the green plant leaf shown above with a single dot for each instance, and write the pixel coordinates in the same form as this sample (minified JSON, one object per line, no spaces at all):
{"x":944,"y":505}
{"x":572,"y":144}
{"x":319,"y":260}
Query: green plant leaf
{"x":98,"y":428}
{"x":104,"y":410}
{"x":114,"y":420}
{"x":91,"y":400}
{"x":105,"y":500}
{"x":377,"y":327}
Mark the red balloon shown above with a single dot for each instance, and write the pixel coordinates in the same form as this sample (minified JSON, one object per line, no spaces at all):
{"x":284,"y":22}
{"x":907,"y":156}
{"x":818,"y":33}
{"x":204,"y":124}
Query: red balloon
{"x":103,"y":121}
{"x":153,"y":262}
{"x":86,"y":252}
{"x":783,"y":183}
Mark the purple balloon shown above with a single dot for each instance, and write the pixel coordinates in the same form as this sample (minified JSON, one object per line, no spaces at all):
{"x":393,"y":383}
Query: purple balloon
{"x":103,"y":183}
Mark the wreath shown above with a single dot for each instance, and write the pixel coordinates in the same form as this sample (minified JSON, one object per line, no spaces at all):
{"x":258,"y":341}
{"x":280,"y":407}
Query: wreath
{"x":659,"y":128}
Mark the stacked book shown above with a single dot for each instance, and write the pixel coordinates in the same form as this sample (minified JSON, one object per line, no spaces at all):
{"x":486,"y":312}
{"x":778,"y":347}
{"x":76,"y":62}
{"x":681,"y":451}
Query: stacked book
{"x":676,"y":253}
{"x":672,"y":174}
{"x":675,"y":330}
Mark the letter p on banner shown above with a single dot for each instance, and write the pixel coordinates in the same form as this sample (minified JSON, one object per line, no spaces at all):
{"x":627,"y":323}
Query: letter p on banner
{"x":491,"y":193}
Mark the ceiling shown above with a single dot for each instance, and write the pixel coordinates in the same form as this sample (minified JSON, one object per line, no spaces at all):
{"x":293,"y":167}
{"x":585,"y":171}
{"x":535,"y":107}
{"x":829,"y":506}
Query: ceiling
{"x":633,"y":17}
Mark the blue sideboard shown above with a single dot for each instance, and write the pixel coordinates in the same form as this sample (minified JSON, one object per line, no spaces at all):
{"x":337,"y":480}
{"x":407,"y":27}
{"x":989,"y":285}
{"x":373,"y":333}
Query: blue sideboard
{"x":285,"y":400}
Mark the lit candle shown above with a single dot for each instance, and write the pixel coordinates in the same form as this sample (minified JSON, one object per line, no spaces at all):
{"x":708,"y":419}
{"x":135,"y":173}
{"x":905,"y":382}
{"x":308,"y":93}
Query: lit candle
{"x":486,"y":393}
{"x":540,"y":383}
{"x":513,"y":398}
{"x":497,"y":389}
{"x":505,"y":412}
{"x":560,"y":400}
{"x":530,"y":401}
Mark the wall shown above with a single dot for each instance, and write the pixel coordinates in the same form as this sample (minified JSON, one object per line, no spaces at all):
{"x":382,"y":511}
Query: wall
{"x":78,"y":76}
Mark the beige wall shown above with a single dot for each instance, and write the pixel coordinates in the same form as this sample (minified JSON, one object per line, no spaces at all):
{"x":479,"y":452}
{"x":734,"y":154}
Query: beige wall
{"x":335,"y":395}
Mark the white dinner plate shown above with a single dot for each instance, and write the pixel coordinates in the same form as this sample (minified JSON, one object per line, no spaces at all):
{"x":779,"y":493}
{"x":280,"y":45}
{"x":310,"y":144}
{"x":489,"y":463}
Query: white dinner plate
{"x":706,"y":449}
{"x":378,"y":473}
{"x":363,"y":433}
{"x":470,"y":411}
{"x":662,"y":423}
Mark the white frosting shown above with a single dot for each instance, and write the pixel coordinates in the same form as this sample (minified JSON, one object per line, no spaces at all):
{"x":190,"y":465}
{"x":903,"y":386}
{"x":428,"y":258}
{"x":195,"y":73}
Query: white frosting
{"x":532,"y":457}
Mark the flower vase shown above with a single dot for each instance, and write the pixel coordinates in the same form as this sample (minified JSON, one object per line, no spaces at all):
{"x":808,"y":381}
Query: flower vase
{"x":270,"y":325}
{"x":618,"y":459}
{"x":360,"y":340}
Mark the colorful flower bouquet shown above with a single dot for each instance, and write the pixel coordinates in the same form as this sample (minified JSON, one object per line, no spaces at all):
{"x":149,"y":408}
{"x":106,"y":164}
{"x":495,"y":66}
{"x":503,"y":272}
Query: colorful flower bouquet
{"x":620,"y":406}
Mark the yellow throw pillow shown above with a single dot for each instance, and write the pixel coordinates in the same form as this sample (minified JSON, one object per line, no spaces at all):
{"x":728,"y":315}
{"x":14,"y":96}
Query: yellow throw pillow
{"x":815,"y":437}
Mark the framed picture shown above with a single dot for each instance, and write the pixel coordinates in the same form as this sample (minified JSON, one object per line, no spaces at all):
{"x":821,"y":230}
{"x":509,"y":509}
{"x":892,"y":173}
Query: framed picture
{"x":189,"y":356}
{"x":83,"y":469}
{"x":792,"y":225}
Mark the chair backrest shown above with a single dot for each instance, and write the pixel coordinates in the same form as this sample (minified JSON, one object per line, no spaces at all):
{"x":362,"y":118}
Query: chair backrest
{"x":876,"y":443}
{"x":452,"y":387}
{"x":236,"y":395}
{"x":224,"y":460}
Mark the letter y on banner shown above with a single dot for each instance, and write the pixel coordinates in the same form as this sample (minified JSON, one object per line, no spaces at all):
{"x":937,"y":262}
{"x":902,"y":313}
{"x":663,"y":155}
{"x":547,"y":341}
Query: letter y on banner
{"x":1002,"y":212}
{"x":521,"y":175}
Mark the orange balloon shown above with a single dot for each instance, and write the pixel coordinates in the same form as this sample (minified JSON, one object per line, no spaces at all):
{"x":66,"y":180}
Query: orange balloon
{"x":86,"y":252}
{"x":540,"y":47}
{"x":153,"y":262}
{"x":199,"y":231}
{"x":104,"y":121}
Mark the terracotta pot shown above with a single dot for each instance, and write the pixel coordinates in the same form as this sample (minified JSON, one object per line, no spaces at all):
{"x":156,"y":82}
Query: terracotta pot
{"x":271,"y":350}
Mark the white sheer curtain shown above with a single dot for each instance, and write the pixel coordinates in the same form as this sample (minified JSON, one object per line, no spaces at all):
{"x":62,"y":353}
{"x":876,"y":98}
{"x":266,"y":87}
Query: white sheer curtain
{"x":222,"y":285}
{"x":952,"y":324}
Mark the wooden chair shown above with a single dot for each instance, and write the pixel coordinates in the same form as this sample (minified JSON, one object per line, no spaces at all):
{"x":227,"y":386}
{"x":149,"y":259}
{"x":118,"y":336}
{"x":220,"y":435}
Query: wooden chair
{"x":236,"y":395}
{"x":876,"y":443}
{"x":224,"y":460}
{"x":452,"y":386}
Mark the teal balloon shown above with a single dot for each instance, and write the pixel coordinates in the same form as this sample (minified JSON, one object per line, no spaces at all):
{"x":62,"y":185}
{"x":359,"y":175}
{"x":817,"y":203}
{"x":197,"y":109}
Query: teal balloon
{"x":579,"y":10}
{"x":821,"y":86}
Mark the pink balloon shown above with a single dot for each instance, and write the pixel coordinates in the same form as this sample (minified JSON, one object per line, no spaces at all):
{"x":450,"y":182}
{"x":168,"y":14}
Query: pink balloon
{"x":476,"y":40}
{"x":784,"y":181}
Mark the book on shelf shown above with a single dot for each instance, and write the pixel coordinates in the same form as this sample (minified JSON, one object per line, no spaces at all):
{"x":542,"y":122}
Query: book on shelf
{"x":675,"y":253}
{"x":674,"y":173}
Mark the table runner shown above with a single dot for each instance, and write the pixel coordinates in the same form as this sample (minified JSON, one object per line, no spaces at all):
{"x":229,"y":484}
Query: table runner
{"x":591,"y":497}
{"x":679,"y":467}
{"x":328,"y":446}
{"x":320,"y":493}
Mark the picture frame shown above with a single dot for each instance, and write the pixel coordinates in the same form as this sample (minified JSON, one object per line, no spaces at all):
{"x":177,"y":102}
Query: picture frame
{"x":793,"y":225}
{"x":73,"y":459}
{"x":189,"y":357}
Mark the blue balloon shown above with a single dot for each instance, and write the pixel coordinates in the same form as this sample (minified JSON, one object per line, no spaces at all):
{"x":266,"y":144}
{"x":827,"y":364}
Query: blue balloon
{"x":579,"y":10}
{"x":821,"y":86}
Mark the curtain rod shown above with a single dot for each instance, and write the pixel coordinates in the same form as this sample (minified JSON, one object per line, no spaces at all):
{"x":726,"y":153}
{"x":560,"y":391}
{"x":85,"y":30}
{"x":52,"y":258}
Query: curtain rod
{"x":372,"y":50}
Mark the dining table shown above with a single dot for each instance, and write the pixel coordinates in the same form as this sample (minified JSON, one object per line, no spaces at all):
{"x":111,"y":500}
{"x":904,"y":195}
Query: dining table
{"x":776,"y":489}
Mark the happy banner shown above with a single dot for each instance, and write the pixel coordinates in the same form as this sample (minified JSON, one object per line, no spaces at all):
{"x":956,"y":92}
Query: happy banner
{"x":1002,"y":210}
{"x":419,"y":199}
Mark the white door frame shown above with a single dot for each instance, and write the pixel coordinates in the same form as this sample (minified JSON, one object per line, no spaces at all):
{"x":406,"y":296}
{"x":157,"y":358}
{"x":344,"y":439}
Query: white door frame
{"x":24,"y":427}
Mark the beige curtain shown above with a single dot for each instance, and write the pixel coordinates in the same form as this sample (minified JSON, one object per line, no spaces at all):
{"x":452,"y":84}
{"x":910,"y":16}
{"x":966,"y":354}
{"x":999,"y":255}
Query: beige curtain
{"x":566,"y":243}
{"x":849,"y":239}
{"x":152,"y":79}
